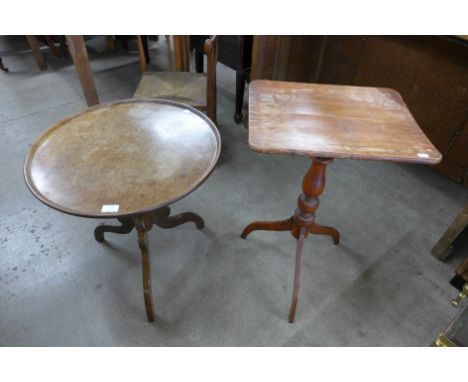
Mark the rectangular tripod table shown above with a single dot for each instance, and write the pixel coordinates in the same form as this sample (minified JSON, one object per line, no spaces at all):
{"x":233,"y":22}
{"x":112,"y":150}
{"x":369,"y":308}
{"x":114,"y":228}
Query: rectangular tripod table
{"x":325,"y":122}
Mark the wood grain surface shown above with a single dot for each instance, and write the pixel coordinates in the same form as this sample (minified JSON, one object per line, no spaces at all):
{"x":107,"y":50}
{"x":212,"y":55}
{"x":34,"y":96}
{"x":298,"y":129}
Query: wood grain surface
{"x":335,"y":122}
{"x":135,"y":154}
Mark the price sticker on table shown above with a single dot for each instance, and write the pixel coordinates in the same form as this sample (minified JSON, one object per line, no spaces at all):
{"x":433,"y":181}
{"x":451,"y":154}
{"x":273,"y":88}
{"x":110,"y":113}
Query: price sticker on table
{"x":110,"y":208}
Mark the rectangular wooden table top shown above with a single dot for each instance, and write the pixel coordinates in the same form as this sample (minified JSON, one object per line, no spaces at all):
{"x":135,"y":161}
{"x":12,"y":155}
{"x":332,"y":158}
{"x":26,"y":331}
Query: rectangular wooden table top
{"x":335,"y":121}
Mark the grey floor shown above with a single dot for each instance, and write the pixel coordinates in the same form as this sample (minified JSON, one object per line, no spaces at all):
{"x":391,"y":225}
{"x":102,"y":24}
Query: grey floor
{"x":379,"y":287}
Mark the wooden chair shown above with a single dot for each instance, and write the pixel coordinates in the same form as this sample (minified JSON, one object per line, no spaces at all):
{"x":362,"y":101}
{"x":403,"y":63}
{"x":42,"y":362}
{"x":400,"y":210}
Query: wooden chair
{"x":195,"y":89}
{"x":35,"y":45}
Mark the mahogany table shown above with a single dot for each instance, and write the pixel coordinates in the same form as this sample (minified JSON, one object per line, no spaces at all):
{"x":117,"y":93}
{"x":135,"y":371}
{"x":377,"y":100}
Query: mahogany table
{"x":325,"y":122}
{"x":127,"y":160}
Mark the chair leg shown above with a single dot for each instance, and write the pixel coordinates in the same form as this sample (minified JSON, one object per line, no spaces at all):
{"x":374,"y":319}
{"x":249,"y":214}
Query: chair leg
{"x":169,"y":53}
{"x":36,"y":51}
{"x":240,"y":87}
{"x":51,"y":44}
{"x":110,"y":43}
{"x":297,"y":274}
{"x":199,"y":61}
{"x":77,"y":47}
{"x":2,"y":67}
{"x":142,"y":54}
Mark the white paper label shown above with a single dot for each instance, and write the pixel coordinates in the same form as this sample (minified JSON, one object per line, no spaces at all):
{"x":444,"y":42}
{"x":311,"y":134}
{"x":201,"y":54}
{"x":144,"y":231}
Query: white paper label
{"x":110,"y":208}
{"x":423,"y":155}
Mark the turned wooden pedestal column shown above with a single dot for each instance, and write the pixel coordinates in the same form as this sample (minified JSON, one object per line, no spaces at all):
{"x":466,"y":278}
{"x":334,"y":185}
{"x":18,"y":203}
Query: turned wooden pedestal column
{"x":325,"y":122}
{"x":303,"y":221}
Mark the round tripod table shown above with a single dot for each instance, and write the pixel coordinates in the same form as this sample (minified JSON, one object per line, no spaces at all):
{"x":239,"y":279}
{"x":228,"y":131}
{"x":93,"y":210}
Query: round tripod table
{"x":325,"y":122}
{"x":127,"y":160}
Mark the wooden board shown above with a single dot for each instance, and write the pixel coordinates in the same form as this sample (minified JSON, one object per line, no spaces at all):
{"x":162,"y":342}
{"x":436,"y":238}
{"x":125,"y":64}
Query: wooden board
{"x":336,"y":122}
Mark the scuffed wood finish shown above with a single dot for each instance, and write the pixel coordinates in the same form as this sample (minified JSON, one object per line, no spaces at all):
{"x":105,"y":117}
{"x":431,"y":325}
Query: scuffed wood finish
{"x":326,"y":122}
{"x":138,"y":154}
{"x":77,"y":47}
{"x":336,"y":122}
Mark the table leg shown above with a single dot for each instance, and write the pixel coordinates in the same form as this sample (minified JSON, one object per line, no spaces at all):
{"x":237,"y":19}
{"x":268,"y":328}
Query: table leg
{"x":146,"y":265}
{"x":143,"y":224}
{"x":279,"y":225}
{"x":303,"y":221}
{"x":297,"y":274}
{"x":240,"y":87}
{"x":161,"y":217}
{"x":126,"y":227}
{"x":323,"y":230}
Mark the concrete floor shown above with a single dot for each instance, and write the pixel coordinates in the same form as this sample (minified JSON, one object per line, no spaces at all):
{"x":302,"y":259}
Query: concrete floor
{"x":379,"y":287}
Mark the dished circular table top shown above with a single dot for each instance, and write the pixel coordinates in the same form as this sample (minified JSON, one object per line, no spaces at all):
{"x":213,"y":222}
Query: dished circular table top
{"x":122,"y":158}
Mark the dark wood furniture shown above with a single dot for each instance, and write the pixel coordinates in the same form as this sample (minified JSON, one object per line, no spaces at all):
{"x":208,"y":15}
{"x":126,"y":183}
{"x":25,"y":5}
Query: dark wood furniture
{"x":430,"y":72}
{"x":195,"y":89}
{"x":124,"y":160}
{"x":445,"y":244}
{"x":34,"y":43}
{"x":325,"y":122}
{"x":236,"y":53}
